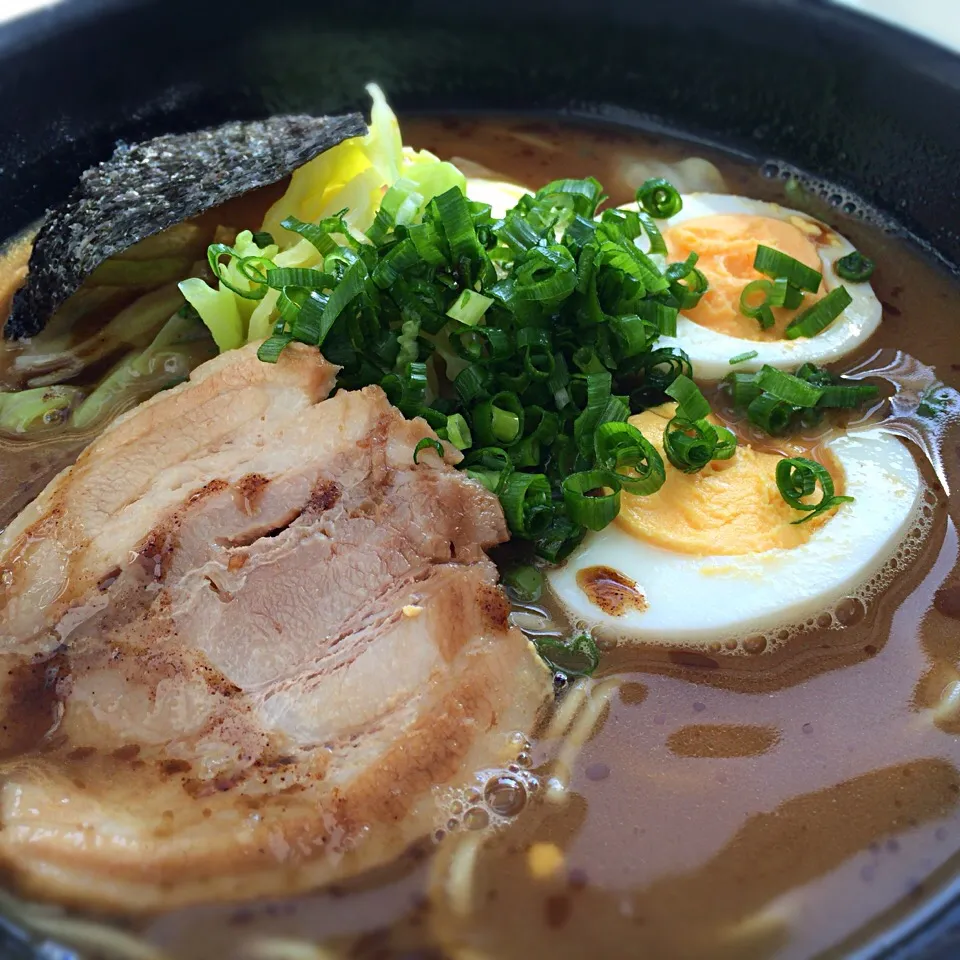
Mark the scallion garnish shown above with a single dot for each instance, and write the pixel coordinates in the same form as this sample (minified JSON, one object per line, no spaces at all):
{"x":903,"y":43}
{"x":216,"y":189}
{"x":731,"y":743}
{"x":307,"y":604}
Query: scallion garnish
{"x":785,"y":294}
{"x":659,"y":198}
{"x":249,"y":291}
{"x":457,"y":432}
{"x":525,"y":342}
{"x":687,"y":283}
{"x":271,"y":348}
{"x":525,"y":581}
{"x":820,"y":315}
{"x":691,"y":403}
{"x":469,"y":307}
{"x":427,"y":443}
{"x":776,"y":401}
{"x":635,"y":463}
{"x":778,"y":265}
{"x":499,"y":421}
{"x":592,"y":498}
{"x":786,"y":387}
{"x":798,"y":477}
{"x":770,"y":414}
{"x":854,"y":268}
{"x":691,"y":441}
{"x":755,"y":302}
{"x":656,"y":371}
{"x":576,"y":657}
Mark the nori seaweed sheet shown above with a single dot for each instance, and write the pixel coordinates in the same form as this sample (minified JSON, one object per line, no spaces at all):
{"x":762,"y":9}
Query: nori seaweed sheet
{"x":145,"y":188}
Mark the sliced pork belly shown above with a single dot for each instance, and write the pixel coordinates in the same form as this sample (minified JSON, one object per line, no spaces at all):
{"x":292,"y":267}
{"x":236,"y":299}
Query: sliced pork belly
{"x":257,"y":655}
{"x":95,"y":512}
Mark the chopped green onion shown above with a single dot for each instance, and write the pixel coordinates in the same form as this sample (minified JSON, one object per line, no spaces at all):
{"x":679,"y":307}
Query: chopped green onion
{"x":621,"y":446}
{"x":472,"y":383}
{"x":658,"y":369}
{"x":690,"y":440}
{"x":458,"y":433}
{"x":691,"y":403}
{"x":527,"y":503}
{"x":469,"y":307}
{"x":307,"y":278}
{"x":350,"y":287}
{"x":460,"y":232}
{"x":770,"y":414}
{"x":320,"y":235}
{"x":577,"y":657}
{"x":687,"y":283}
{"x":525,"y":582}
{"x":659,"y":198}
{"x":773,"y":263}
{"x":427,"y":443}
{"x":217,"y":250}
{"x":788,"y":388}
{"x":692,"y":444}
{"x":755,"y":295}
{"x":583,"y":196}
{"x":517,"y":340}
{"x":785,"y":294}
{"x":560,"y":538}
{"x":307,"y":325}
{"x":545,"y":273}
{"x":592,"y":498}
{"x":854,"y":268}
{"x":500,"y":420}
{"x":765,"y":318}
{"x":271,"y":348}
{"x":600,"y":407}
{"x":743,"y":357}
{"x":742,"y":388}
{"x":841,"y":396}
{"x":661,"y":316}
{"x":819,"y":316}
{"x":758,"y":310}
{"x":657,"y":244}
{"x":798,"y":477}
{"x":775,"y":400}
{"x":407,"y":389}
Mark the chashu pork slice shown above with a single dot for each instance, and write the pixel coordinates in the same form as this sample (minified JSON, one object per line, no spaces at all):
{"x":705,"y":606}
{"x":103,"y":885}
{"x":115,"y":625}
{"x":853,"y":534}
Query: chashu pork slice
{"x":279,"y":646}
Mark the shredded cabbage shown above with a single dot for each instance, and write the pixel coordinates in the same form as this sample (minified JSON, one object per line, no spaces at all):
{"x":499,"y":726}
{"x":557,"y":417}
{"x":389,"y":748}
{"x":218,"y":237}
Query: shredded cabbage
{"x":354,"y":176}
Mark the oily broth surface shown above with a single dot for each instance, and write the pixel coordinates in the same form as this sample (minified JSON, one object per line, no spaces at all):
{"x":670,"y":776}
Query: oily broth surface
{"x":744,"y":807}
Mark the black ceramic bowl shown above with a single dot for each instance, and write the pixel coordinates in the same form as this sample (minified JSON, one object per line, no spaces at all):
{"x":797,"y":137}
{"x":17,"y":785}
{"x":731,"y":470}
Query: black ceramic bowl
{"x":852,"y":101}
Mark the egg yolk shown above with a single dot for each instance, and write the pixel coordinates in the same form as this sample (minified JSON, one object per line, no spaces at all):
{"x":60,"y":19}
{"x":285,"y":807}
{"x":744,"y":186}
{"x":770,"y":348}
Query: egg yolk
{"x":726,"y":244}
{"x":731,"y":507}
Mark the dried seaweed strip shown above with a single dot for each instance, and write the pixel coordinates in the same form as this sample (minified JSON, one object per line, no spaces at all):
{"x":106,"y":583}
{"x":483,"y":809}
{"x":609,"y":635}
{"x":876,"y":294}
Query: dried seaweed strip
{"x":148,"y":187}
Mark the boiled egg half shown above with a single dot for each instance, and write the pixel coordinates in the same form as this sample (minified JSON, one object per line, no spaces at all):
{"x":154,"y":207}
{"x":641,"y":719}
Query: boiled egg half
{"x":724,"y":231}
{"x":715,"y":557}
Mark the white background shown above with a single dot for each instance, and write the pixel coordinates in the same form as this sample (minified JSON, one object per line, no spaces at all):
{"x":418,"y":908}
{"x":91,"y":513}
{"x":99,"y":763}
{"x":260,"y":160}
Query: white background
{"x":937,"y":19}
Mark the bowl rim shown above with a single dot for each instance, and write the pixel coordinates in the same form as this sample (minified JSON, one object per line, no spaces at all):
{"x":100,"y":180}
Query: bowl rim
{"x":921,"y":932}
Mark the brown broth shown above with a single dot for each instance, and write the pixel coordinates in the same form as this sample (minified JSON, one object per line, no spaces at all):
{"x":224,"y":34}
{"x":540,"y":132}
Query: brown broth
{"x":750,"y":807}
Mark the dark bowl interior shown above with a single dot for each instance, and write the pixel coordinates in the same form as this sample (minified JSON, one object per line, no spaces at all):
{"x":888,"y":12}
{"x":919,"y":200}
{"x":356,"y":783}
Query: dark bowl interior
{"x":854,"y":102}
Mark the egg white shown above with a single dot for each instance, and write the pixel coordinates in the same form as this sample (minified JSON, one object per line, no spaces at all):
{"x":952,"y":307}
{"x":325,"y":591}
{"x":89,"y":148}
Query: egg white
{"x":692,"y":600}
{"x":710,"y":352}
